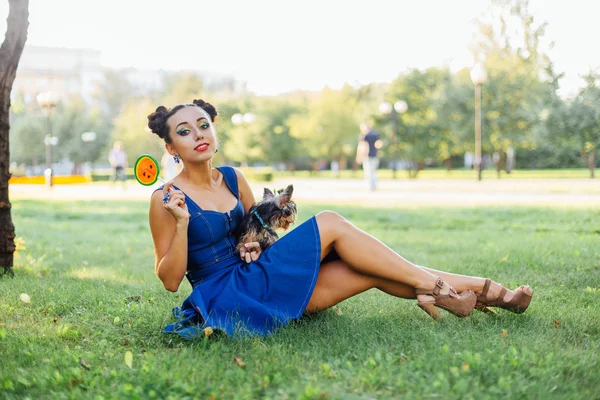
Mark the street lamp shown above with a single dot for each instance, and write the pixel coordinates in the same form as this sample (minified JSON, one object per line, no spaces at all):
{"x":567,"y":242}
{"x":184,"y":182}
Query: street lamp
{"x":398,"y":108}
{"x":478,"y":76}
{"x":239,"y":119}
{"x":47,"y":101}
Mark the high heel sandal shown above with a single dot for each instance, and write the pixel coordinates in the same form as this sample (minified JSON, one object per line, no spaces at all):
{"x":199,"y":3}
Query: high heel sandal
{"x":518,"y":304}
{"x":460,"y":305}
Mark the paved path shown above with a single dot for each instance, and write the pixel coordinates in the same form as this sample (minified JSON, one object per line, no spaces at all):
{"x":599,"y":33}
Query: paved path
{"x":531,"y":192}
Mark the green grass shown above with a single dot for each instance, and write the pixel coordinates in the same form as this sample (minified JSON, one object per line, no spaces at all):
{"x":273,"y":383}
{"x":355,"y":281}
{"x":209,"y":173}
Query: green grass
{"x":88,"y":269}
{"x":580,"y":173}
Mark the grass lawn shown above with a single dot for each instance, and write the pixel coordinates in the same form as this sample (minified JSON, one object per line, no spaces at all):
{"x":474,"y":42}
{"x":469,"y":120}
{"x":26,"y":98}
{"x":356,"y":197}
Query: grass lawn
{"x":91,"y":328}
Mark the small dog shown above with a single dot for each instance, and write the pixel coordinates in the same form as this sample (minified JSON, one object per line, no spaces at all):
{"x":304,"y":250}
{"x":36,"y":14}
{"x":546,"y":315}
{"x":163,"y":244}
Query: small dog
{"x":272,"y":212}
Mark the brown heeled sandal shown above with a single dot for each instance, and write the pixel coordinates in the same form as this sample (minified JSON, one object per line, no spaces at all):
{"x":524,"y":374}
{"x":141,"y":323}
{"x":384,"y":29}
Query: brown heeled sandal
{"x":460,"y":305}
{"x":518,"y":304}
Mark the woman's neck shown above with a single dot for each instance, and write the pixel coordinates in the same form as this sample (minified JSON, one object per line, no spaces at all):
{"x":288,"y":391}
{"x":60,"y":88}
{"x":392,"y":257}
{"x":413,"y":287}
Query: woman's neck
{"x":199,"y":175}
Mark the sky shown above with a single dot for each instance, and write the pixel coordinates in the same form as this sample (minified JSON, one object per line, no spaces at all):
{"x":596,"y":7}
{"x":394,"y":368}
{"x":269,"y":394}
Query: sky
{"x":278,"y":46}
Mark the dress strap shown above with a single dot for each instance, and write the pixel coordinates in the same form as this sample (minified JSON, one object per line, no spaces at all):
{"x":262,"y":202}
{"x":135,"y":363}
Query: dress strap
{"x":230,"y":179}
{"x":157,"y":189}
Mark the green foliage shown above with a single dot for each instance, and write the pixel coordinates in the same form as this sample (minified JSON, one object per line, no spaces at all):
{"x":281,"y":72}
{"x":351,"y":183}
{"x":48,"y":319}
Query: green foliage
{"x":67,"y":122}
{"x":92,"y":326}
{"x":27,"y":140}
{"x":424,"y":133}
{"x":329,"y":126}
{"x":130,"y":127}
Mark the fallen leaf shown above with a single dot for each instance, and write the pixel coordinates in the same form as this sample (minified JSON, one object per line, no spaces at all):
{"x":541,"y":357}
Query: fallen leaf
{"x":556,"y":323}
{"x":338,"y":311}
{"x":55,"y":319}
{"x":208,"y":331}
{"x":465,"y":367}
{"x":83,"y":363}
{"x":25,"y":298}
{"x":129,"y":359}
{"x":239,"y":362}
{"x":505,"y":259}
{"x":125,"y":342}
{"x":504,"y":333}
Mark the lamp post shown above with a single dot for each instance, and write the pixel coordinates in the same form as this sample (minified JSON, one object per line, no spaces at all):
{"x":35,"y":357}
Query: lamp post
{"x":47,"y":101}
{"x":394,"y":111}
{"x":478,"y":76}
{"x":239,"y":119}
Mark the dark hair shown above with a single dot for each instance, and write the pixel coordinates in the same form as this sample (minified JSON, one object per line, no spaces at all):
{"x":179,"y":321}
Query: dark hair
{"x":157,"y":121}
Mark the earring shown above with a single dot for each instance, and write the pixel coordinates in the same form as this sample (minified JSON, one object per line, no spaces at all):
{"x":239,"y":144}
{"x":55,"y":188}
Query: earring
{"x":216,"y":149}
{"x":176,"y":159}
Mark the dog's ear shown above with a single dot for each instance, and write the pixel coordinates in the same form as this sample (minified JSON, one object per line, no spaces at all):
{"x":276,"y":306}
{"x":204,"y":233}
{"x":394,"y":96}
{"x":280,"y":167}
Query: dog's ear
{"x":285,"y":195}
{"x":267,"y":193}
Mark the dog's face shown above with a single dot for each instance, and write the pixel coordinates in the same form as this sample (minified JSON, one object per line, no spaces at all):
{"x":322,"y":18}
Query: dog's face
{"x":278,"y":210}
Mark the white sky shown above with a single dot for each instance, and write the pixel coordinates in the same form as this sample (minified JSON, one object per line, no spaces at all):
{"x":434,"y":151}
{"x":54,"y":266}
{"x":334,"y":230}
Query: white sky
{"x":280,"y":45}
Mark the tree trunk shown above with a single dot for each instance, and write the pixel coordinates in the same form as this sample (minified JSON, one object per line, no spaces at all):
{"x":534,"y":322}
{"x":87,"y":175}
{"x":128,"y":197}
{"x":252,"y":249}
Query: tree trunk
{"x":592,"y":163}
{"x":10,"y":54}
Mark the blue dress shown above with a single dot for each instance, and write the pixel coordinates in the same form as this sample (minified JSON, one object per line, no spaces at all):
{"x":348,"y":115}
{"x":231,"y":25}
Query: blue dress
{"x":236,"y":297}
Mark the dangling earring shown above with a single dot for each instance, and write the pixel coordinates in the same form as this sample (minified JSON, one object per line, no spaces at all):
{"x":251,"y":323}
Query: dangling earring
{"x":176,"y":159}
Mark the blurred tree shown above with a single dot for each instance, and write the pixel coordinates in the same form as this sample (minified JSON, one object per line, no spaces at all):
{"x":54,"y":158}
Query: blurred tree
{"x":27,"y":140}
{"x":70,"y":120}
{"x":328,"y":128}
{"x":130,"y":127}
{"x":424,"y":134}
{"x":277,"y":144}
{"x":113,"y":92}
{"x":183,"y":88}
{"x":513,"y":93}
{"x":584,"y":120}
{"x":10,"y":54}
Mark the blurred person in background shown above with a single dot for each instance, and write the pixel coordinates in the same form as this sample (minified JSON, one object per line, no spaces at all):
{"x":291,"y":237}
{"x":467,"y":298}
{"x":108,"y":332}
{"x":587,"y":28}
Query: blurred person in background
{"x":118,"y":161}
{"x":369,"y":142}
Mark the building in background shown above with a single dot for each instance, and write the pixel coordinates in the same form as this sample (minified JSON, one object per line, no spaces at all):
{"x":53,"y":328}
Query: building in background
{"x":67,"y":72}
{"x":60,"y":70}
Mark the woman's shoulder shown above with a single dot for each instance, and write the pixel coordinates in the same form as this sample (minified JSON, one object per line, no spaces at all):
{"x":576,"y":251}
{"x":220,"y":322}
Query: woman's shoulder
{"x":239,"y":174}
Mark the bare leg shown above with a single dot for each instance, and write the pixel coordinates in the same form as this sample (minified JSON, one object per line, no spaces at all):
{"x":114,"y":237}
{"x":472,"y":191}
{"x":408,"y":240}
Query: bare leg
{"x":337,"y":282}
{"x":369,"y":256}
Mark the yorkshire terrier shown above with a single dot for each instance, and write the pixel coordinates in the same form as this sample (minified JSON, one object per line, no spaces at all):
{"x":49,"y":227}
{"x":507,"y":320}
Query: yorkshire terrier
{"x":272,"y":212}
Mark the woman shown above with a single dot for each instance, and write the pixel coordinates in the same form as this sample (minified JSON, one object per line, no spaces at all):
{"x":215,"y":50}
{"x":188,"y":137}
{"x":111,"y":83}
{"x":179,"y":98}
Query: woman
{"x":320,"y":263}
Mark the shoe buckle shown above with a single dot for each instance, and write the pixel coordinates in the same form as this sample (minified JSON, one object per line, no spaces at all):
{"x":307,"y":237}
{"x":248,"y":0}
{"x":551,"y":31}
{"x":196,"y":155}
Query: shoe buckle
{"x":439,"y":283}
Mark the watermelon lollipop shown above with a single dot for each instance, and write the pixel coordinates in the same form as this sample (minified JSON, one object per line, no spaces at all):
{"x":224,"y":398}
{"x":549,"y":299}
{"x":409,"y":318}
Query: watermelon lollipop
{"x":146,"y":170}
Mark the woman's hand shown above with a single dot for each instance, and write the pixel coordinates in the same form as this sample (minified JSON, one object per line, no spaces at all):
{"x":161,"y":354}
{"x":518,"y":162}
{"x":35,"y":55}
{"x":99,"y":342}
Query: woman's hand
{"x":174,"y":202}
{"x":250,"y":252}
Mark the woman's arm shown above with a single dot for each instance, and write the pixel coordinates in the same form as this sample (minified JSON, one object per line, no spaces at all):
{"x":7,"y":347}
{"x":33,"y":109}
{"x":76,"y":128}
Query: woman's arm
{"x":169,"y":224}
{"x":246,"y":195}
{"x":252,"y":250}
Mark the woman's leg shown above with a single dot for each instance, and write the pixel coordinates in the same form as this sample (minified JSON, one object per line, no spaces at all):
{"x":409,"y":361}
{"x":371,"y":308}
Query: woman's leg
{"x":337,"y":282}
{"x":366,"y":254}
{"x":369,"y":256}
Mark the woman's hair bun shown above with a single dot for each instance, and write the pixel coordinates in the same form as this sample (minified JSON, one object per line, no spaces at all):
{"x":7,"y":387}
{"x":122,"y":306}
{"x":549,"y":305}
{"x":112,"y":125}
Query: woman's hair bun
{"x":157,"y":121}
{"x":209,"y":108}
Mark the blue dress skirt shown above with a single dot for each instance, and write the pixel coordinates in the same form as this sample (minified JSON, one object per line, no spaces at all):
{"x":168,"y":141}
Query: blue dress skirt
{"x":240,"y":298}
